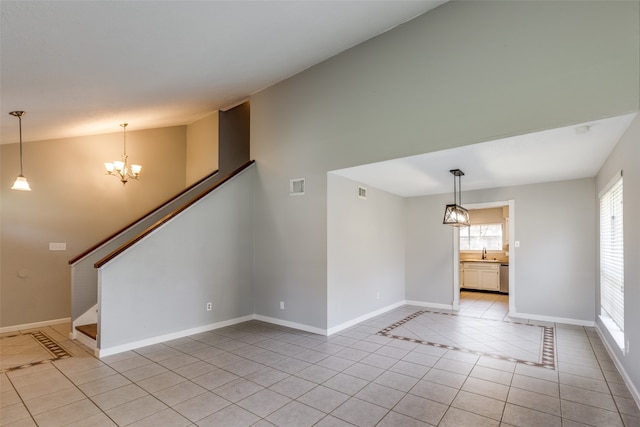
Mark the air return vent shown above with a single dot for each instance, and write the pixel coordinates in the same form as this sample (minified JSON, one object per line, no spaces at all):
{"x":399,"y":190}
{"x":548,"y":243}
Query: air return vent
{"x":362,"y":192}
{"x":296,"y":187}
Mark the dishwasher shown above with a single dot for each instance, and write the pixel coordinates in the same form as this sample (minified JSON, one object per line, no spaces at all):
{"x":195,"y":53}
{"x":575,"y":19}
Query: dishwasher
{"x":504,"y":278}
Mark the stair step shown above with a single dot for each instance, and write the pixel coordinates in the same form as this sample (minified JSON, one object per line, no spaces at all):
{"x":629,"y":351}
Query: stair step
{"x":90,"y":330}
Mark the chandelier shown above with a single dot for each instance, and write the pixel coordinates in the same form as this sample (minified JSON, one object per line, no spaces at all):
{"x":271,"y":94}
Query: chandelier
{"x":455,"y":214}
{"x":120,"y":169}
{"x":21,"y":183}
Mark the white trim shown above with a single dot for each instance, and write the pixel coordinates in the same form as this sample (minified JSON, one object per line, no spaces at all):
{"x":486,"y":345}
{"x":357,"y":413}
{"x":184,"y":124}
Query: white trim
{"x":429,"y":305}
{"x":632,"y":388}
{"x":86,"y":318}
{"x":610,"y":184}
{"x":364,"y":317}
{"x":553,"y":319}
{"x":456,"y":269}
{"x":172,"y":336}
{"x":616,"y":333}
{"x":34,"y":325}
{"x":289,"y":324}
{"x":87,"y":341}
{"x":511,"y":203}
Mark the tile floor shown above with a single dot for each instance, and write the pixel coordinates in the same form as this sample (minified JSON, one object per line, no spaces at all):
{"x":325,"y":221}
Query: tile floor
{"x":260,"y":374}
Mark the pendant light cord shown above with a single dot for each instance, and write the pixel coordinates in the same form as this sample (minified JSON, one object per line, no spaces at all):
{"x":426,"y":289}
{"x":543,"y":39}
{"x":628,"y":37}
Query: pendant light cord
{"x":20,"y":121}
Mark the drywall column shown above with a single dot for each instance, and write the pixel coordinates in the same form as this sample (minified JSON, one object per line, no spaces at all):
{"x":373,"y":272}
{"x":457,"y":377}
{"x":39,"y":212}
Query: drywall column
{"x":233,"y":137}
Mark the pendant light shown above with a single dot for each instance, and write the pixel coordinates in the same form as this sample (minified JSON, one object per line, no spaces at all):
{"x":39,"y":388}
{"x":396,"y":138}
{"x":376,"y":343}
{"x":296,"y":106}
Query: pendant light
{"x":21,"y":183}
{"x":120,"y":169}
{"x":454,"y":214}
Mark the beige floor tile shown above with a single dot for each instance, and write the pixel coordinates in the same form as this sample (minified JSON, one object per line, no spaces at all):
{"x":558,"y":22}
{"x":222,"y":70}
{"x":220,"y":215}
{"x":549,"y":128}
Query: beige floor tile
{"x":13,"y":413}
{"x":364,"y":378}
{"x":525,"y":417}
{"x":537,"y":385}
{"x":457,"y":417}
{"x":165,"y":418}
{"x":421,"y":409}
{"x":589,"y":414}
{"x":201,"y":406}
{"x":323,"y":399}
{"x":532,"y":400}
{"x":491,"y":374}
{"x":118,"y":396}
{"x":68,"y":414}
{"x":480,"y":405}
{"x":434,"y":391}
{"x":53,"y":400}
{"x":587,"y":397}
{"x":135,"y":410}
{"x":231,"y":416}
{"x":357,"y":412}
{"x":264,"y":402}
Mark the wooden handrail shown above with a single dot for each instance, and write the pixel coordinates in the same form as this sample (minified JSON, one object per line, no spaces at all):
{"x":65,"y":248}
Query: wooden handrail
{"x":126,"y":227}
{"x":170,"y":216}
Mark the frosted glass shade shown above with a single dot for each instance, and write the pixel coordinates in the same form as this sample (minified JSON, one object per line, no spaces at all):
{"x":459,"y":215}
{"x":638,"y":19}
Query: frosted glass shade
{"x":21,"y":184}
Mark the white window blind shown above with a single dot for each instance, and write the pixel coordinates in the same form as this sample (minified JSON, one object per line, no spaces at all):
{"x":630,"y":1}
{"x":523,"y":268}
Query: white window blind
{"x":481,"y":236}
{"x":612,"y":254}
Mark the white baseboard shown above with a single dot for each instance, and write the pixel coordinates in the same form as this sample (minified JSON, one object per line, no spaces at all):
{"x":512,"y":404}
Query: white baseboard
{"x":565,"y":320}
{"x":630,"y":385}
{"x":362,"y":318}
{"x":430,"y":305}
{"x":289,"y":324}
{"x":87,"y":341}
{"x":35,"y":325}
{"x":103,"y":352}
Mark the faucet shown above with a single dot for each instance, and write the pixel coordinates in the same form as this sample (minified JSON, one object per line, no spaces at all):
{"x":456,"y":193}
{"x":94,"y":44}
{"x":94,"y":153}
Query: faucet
{"x":484,"y":253}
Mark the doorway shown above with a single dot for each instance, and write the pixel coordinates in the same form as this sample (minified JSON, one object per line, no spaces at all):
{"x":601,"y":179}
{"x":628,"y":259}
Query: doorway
{"x":509,"y":229}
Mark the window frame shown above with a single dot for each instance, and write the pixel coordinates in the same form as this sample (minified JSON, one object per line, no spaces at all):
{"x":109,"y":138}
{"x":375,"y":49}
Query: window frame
{"x":500,"y":224}
{"x":611,"y":259}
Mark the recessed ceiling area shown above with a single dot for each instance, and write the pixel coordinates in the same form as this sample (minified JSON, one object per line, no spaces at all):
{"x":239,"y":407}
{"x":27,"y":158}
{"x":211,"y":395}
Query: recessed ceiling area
{"x":566,"y":153}
{"x":83,"y":67}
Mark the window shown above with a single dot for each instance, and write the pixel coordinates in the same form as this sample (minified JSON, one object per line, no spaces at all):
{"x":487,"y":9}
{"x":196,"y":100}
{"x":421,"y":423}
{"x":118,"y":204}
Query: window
{"x":612,"y":260}
{"x":481,"y":236}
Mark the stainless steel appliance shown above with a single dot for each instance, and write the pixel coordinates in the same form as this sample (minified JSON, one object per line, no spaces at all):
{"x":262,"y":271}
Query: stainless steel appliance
{"x":504,"y":278}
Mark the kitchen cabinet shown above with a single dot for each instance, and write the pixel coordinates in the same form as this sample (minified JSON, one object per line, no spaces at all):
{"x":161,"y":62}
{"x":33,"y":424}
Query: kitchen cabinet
{"x":480,"y":275}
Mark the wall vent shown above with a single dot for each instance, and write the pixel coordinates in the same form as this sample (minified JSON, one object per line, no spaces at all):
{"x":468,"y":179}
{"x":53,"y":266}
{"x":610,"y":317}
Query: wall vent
{"x":296,"y":187}
{"x":362,"y":192}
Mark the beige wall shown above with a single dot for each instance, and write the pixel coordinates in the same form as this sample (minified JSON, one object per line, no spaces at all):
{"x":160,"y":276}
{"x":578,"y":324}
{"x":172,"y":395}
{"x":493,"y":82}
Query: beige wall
{"x":74,"y":202}
{"x":202,"y":147}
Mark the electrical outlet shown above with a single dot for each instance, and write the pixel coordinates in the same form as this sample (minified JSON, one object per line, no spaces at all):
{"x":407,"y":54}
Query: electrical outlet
{"x":57,"y":246}
{"x":281,"y":305}
{"x":209,"y":306}
{"x":377,"y":295}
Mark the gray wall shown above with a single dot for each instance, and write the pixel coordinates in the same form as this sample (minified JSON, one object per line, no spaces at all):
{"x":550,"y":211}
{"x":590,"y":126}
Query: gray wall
{"x":162,"y":285}
{"x":555,"y":263}
{"x":626,"y":157}
{"x":365,"y":246}
{"x":465,"y":72}
{"x":429,"y":249}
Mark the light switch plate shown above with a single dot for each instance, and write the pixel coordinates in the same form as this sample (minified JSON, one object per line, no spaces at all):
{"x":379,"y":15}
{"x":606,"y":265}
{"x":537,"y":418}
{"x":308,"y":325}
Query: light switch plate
{"x":57,"y":246}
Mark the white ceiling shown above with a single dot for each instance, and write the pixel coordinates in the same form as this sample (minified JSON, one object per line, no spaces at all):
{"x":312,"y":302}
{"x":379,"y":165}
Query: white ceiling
{"x":84,"y":67}
{"x":552,"y":155}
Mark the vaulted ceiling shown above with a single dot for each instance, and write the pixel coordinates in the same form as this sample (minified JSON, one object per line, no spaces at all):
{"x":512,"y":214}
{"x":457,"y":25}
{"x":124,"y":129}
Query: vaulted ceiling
{"x":84,"y":67}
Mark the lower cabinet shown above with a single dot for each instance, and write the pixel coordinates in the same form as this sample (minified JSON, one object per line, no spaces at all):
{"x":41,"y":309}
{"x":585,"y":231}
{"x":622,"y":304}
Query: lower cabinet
{"x":478,"y":275}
